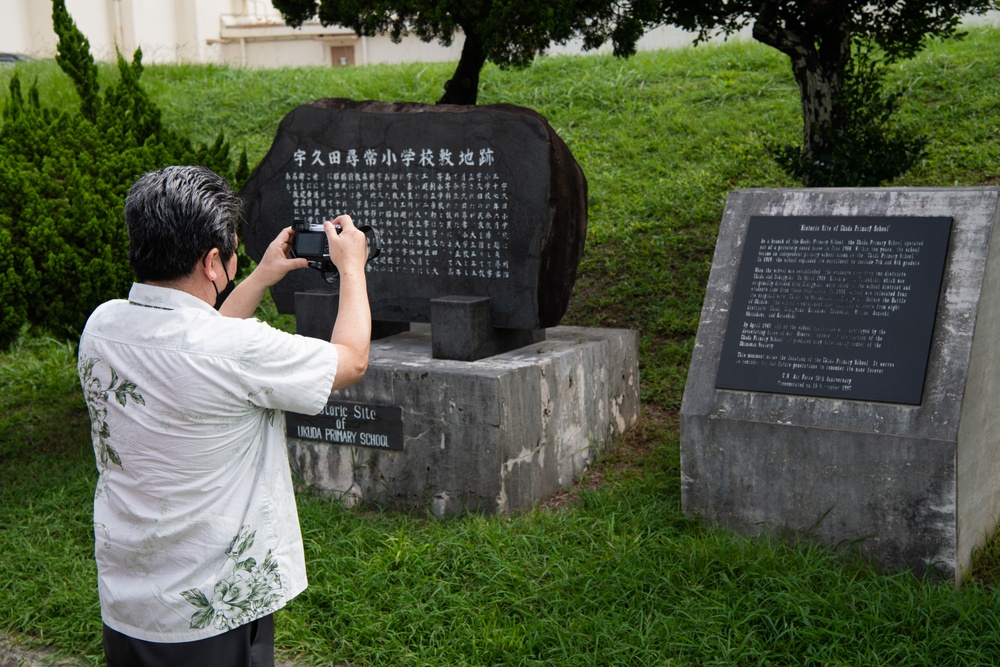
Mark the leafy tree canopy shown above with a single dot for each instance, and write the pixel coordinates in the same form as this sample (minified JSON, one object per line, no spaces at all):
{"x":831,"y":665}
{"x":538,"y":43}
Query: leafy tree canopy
{"x":900,"y":28}
{"x":838,"y":51}
{"x":508,"y":33}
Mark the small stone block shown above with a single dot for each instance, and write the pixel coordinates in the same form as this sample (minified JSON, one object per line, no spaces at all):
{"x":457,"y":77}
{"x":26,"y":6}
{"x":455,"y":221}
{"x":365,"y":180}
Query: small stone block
{"x":461,"y":330}
{"x":459,"y":324}
{"x":385,"y":329}
{"x":316,"y":312}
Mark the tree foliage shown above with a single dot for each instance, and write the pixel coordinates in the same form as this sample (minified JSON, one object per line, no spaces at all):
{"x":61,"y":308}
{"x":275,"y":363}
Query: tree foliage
{"x":64,"y":175}
{"x":508,"y":33}
{"x":838,"y":50}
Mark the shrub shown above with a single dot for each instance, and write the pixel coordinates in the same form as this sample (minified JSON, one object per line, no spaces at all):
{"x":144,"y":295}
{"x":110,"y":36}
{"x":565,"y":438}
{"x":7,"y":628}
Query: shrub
{"x":64,"y":175}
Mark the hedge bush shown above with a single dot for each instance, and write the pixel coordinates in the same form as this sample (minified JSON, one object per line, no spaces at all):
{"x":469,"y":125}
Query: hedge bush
{"x":64,"y":175}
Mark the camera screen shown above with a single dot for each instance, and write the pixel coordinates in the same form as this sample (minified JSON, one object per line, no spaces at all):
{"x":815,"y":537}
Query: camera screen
{"x":310,"y":244}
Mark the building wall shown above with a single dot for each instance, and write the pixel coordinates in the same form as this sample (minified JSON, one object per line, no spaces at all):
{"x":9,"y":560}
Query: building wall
{"x":26,"y":26}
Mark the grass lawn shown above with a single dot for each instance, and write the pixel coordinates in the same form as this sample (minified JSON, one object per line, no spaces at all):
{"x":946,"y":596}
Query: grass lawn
{"x":611,"y":573}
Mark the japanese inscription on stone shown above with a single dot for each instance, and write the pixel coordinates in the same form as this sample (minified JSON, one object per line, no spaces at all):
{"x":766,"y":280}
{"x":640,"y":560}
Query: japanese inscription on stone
{"x":835,"y":306}
{"x":468,"y":201}
{"x":443,"y":212}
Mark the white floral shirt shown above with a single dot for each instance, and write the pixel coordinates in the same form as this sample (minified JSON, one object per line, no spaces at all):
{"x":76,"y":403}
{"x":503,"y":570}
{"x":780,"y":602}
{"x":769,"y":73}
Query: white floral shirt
{"x":194,"y":515}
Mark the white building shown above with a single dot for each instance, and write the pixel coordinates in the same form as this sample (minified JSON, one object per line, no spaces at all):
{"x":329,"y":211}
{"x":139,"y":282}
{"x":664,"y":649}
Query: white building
{"x":235,"y":32}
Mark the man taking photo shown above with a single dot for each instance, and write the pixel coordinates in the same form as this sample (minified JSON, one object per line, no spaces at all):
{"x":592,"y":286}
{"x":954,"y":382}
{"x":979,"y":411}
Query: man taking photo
{"x":197,"y":536}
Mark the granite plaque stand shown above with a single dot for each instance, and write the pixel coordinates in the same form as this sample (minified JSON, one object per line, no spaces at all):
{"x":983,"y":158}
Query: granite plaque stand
{"x":496,"y":435}
{"x":796,"y":445}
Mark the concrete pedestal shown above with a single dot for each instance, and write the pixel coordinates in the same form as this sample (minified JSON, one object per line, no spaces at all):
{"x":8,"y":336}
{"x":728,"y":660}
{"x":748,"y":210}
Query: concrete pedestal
{"x":915,"y":486}
{"x":494,"y":435}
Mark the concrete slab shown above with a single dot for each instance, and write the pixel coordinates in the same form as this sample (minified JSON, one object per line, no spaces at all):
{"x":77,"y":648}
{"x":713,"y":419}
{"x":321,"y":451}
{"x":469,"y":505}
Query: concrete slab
{"x":495,"y":435}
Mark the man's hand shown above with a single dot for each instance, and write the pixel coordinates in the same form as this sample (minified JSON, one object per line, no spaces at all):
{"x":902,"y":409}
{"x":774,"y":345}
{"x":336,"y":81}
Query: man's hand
{"x":277,"y":260}
{"x":349,"y":248}
{"x":274,"y":265}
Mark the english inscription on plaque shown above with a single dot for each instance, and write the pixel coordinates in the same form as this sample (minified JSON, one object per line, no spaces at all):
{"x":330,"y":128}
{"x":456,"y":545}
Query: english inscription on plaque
{"x":347,"y":423}
{"x":839,"y":307}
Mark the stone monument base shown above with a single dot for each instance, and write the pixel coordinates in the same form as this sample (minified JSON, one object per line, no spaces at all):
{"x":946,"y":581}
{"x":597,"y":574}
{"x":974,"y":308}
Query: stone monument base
{"x":496,"y":435}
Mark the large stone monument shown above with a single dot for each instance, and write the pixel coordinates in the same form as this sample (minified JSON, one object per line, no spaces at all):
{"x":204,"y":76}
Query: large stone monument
{"x":845,"y":370}
{"x":470,"y":202}
{"x":475,"y":398}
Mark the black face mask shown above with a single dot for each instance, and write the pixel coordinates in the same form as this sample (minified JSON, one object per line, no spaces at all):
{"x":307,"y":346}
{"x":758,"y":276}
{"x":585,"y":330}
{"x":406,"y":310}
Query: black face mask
{"x":220,"y":297}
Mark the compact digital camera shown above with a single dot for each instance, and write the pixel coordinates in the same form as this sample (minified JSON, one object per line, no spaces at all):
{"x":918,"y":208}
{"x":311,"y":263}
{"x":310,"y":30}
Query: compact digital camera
{"x":310,"y":242}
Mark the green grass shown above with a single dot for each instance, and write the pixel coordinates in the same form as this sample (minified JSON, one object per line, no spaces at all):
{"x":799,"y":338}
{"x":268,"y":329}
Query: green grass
{"x":47,"y":477}
{"x":620,"y":577}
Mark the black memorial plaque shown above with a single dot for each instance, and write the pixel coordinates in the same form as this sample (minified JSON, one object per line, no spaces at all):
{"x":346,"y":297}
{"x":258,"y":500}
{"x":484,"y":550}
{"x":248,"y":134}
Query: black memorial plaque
{"x":346,"y":423}
{"x":469,"y":201}
{"x":838,"y":307}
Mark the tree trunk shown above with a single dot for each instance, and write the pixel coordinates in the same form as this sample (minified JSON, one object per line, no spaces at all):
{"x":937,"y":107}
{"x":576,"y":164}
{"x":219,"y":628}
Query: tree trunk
{"x":820,"y":58}
{"x":463,"y":87}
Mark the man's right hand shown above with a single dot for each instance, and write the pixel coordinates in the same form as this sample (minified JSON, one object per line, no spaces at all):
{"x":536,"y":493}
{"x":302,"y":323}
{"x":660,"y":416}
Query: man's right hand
{"x":349,"y":248}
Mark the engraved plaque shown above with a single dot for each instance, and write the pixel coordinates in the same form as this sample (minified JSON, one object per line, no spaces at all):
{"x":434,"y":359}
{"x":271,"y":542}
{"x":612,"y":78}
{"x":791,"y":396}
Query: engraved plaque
{"x":346,"y":423}
{"x":839,"y":307}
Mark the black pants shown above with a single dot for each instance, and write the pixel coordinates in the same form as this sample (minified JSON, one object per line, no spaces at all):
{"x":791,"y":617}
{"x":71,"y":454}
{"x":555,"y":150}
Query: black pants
{"x":250,"y":645}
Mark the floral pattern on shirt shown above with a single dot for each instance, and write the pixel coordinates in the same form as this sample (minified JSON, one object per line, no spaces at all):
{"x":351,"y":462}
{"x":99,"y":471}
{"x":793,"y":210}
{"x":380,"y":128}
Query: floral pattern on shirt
{"x":251,"y":591}
{"x":268,"y":412}
{"x":97,"y":397}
